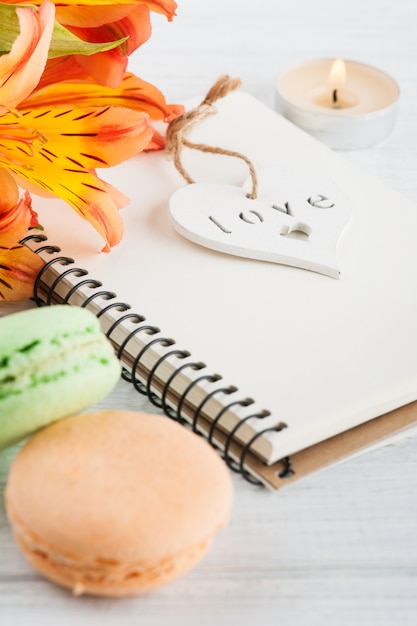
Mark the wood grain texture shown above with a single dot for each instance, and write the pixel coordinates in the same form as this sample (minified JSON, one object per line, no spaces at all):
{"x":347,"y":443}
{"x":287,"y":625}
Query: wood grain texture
{"x":338,"y":548}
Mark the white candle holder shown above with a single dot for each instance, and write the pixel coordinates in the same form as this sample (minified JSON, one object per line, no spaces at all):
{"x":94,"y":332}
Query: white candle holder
{"x":357,"y":114}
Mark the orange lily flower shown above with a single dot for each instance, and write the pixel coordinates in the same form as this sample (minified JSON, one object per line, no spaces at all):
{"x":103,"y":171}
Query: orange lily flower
{"x":57,"y":150}
{"x":21,"y":68}
{"x":54,"y":134}
{"x":18,"y":265}
{"x":100,"y":21}
{"x":58,"y":136}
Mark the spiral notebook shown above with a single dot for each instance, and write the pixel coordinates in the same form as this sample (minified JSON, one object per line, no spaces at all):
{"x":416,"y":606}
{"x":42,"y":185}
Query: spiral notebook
{"x":284,"y":370}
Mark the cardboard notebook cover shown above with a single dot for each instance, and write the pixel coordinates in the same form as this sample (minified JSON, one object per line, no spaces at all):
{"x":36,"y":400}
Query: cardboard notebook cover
{"x":313,"y":368}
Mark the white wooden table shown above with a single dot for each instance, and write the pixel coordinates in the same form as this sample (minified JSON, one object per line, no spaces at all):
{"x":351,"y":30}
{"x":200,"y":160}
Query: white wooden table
{"x":339,"y":548}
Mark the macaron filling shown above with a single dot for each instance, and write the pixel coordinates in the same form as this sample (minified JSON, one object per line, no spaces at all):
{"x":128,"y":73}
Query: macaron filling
{"x":102,"y":575}
{"x":45,"y":361}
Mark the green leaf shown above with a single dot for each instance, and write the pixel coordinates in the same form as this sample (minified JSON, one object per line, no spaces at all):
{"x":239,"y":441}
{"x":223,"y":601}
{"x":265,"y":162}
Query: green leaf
{"x":63,"y":41}
{"x":9,"y":27}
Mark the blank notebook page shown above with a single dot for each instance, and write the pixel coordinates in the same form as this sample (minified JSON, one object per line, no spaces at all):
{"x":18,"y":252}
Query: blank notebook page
{"x":321,"y":354}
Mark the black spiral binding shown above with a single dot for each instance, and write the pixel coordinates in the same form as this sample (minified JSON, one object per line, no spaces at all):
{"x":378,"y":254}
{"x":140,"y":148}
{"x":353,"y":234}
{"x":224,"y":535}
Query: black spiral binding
{"x":157,"y":399}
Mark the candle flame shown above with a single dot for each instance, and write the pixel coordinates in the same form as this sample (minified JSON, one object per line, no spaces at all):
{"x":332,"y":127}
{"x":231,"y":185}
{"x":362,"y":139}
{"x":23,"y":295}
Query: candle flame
{"x":337,"y":74}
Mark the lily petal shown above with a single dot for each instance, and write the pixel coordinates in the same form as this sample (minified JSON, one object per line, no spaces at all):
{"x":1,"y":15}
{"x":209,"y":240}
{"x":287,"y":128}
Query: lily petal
{"x":16,"y":216}
{"x":58,"y":149}
{"x":21,"y":68}
{"x":92,"y":13}
{"x":19,"y":267}
{"x":60,"y":67}
{"x":9,"y":192}
{"x":133,"y":93}
{"x":108,"y":67}
{"x":166,"y":7}
{"x":16,"y":221}
{"x":97,"y":12}
{"x":94,"y":136}
{"x":88,"y":16}
{"x":135,"y":26}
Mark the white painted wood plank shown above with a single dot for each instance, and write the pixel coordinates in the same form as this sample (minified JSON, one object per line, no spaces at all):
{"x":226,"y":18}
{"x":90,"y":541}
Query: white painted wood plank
{"x":338,"y":548}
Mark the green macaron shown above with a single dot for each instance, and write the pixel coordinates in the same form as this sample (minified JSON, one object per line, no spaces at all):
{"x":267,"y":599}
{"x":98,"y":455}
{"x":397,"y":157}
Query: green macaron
{"x":54,"y":362}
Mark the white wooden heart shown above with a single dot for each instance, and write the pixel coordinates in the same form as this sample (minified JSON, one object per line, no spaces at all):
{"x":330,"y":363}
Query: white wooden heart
{"x":296,"y":219}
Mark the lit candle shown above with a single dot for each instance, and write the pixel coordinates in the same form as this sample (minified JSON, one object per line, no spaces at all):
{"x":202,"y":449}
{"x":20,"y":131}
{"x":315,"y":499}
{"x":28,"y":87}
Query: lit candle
{"x":345,"y":104}
{"x":335,"y":95}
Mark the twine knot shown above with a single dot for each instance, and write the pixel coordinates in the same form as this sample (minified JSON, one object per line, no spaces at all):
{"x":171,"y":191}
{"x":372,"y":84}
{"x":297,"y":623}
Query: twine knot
{"x":179,"y":129}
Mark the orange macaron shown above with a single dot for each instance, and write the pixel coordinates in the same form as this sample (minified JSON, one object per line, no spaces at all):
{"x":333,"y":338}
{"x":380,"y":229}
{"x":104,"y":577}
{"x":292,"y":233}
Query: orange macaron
{"x":116,"y":502}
